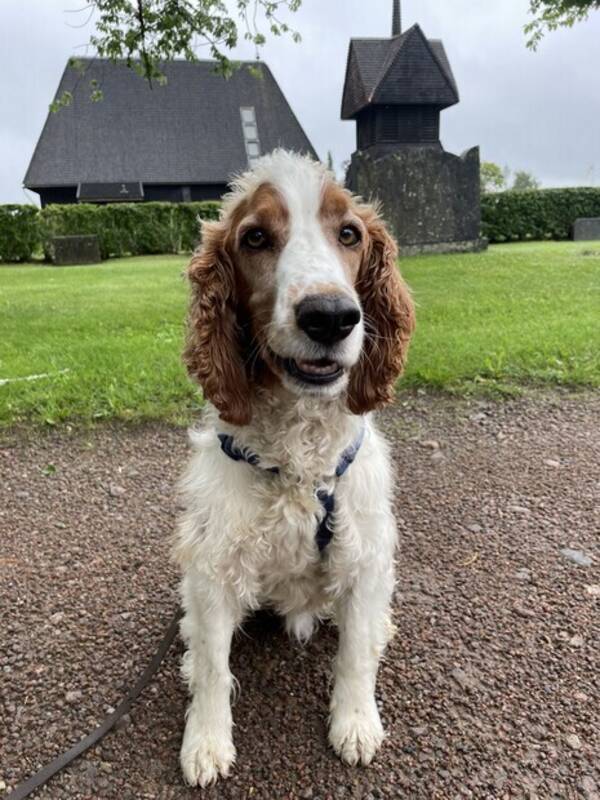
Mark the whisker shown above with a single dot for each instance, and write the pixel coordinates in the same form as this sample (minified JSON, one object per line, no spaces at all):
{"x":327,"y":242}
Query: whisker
{"x":371,"y":329}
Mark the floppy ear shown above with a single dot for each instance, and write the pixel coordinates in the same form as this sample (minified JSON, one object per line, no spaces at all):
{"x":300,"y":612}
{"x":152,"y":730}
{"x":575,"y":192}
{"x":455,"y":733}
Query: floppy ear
{"x":389,"y":319}
{"x":213,"y":351}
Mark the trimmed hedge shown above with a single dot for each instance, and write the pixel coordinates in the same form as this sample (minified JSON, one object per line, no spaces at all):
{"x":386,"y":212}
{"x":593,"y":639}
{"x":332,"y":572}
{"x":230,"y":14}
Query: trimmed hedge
{"x":536,"y":213}
{"x":148,"y":228}
{"x":19,"y":235}
{"x":122,"y":228}
{"x":129,"y":228}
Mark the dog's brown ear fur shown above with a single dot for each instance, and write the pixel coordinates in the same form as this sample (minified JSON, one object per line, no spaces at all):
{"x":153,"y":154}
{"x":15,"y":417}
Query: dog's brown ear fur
{"x":389,"y":320}
{"x":213,"y":352}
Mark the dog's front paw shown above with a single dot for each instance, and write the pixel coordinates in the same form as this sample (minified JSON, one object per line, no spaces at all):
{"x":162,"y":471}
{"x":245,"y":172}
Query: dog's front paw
{"x":206,"y":754}
{"x":355,"y":732}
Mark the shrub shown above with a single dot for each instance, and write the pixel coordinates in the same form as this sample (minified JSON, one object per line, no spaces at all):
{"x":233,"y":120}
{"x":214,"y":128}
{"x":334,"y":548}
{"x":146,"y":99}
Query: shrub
{"x":129,"y":228}
{"x":19,"y":235}
{"x":536,"y":214}
{"x":148,"y":228}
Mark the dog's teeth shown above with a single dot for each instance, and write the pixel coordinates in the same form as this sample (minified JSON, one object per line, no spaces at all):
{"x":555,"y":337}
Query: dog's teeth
{"x":317,"y":369}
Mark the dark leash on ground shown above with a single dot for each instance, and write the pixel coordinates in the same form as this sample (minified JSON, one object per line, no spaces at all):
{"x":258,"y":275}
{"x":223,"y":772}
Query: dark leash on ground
{"x":60,"y":762}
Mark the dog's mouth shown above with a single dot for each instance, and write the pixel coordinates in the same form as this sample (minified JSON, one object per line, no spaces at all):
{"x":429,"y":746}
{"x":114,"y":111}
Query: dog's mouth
{"x":318,"y":373}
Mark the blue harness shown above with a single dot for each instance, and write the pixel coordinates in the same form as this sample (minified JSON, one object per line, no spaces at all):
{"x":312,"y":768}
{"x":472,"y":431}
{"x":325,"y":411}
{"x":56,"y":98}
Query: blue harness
{"x":327,"y":499}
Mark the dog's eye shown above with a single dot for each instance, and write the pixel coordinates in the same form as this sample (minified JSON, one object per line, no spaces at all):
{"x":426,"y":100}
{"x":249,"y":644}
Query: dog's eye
{"x":255,"y":239}
{"x":349,"y":236}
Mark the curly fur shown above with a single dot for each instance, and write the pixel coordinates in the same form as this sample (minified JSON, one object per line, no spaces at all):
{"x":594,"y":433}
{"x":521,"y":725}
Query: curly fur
{"x":389,"y":311}
{"x":214,"y":352}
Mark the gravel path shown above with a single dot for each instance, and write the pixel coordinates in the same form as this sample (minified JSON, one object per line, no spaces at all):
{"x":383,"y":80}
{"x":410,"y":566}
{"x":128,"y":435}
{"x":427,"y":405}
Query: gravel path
{"x":491,"y":688}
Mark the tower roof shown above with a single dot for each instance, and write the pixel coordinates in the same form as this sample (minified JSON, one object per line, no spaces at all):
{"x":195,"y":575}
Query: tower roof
{"x":408,"y":69}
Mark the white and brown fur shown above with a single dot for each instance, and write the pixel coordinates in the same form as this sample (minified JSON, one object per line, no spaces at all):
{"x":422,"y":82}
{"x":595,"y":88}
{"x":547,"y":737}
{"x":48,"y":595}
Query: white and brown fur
{"x":247,"y":537}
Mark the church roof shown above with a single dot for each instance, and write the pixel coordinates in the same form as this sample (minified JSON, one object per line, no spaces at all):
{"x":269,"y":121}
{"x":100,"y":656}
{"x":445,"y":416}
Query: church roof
{"x":188,"y":131}
{"x":407,"y":69}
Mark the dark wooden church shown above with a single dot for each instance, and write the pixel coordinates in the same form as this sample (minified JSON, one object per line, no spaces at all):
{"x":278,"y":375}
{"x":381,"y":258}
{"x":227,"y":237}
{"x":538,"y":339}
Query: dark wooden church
{"x":395,"y":90}
{"x":180,"y":141}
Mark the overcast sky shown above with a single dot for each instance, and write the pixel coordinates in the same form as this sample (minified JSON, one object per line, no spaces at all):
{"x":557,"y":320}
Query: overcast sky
{"x":534,"y":111}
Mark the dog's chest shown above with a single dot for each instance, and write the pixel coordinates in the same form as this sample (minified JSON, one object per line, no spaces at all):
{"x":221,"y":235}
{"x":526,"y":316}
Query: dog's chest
{"x":257,"y":502}
{"x":278,"y":560}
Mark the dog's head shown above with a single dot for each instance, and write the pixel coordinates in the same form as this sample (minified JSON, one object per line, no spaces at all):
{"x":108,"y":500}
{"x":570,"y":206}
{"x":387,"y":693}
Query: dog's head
{"x":297,"y":284}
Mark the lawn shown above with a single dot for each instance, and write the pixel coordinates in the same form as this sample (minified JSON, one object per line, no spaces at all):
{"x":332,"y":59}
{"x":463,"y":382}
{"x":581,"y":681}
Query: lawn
{"x":108,"y":337}
{"x":515,"y":315}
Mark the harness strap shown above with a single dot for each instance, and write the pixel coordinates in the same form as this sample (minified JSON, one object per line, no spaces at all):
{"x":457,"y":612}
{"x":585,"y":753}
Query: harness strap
{"x":325,"y":528}
{"x":231,"y":449}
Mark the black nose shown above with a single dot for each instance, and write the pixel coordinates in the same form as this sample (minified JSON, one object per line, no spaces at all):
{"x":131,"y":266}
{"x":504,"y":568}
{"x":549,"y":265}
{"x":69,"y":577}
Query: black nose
{"x":327,"y":318}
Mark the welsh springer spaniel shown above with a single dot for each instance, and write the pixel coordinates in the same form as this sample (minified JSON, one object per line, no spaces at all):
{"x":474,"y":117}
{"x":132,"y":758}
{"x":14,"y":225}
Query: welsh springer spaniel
{"x":299,"y":325}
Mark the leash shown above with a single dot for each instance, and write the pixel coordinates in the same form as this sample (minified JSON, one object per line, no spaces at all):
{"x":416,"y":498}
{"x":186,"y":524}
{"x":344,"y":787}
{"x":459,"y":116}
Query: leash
{"x":60,"y":762}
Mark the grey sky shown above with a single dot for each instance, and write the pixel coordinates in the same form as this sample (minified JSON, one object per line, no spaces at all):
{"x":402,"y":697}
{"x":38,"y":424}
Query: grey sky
{"x":535,"y":111}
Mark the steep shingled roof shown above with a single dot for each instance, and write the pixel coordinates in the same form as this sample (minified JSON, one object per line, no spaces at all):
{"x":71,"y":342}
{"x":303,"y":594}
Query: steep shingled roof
{"x":187,"y":131}
{"x":404,"y":70}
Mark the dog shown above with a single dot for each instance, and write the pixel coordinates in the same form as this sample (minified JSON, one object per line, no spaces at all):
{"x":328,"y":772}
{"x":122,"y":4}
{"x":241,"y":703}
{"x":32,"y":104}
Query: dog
{"x":299,"y":325}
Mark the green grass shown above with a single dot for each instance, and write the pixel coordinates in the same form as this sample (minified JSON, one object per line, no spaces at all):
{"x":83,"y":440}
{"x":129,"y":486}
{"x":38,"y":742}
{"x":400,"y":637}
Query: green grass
{"x":517,"y":315}
{"x":117,"y":328}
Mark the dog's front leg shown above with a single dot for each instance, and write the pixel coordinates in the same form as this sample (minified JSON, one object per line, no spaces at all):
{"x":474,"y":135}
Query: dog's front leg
{"x":207,"y":627}
{"x":363,"y":616}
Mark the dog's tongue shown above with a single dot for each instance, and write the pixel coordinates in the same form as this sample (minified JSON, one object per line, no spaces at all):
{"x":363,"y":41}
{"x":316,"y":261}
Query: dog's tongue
{"x":321,"y":367}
